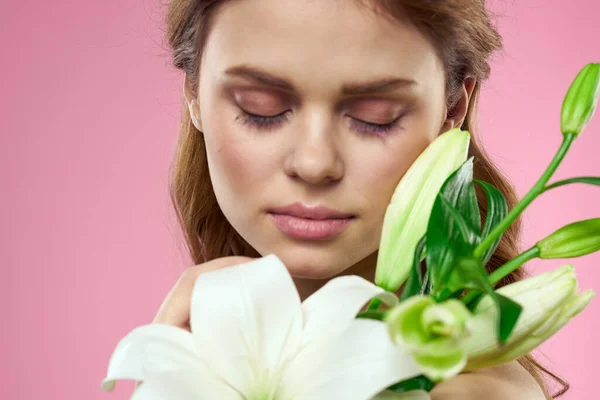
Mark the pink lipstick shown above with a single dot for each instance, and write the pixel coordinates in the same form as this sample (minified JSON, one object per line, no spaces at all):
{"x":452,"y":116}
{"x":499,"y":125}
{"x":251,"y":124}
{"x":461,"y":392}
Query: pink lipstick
{"x":312,"y":223}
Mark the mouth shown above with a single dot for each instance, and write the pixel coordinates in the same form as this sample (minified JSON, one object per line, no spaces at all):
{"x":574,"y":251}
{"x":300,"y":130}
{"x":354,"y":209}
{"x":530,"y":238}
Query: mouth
{"x":310,"y":223}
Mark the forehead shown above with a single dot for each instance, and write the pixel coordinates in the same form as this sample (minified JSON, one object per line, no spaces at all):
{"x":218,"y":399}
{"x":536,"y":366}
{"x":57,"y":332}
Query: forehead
{"x":318,"y":43}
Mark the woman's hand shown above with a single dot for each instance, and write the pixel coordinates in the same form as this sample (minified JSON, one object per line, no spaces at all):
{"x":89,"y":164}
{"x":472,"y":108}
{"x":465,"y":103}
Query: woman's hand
{"x":175,"y":309}
{"x":509,"y":381}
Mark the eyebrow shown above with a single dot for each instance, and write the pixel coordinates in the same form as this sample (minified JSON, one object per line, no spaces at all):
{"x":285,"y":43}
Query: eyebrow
{"x":378,"y":85}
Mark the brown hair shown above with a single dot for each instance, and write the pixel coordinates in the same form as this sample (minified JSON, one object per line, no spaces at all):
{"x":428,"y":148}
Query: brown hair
{"x":464,"y":37}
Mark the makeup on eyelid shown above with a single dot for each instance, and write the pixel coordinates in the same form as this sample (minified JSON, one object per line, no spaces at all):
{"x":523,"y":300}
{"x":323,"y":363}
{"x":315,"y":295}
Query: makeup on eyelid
{"x":272,"y":122}
{"x":253,"y":100}
{"x":266,"y":109}
{"x":258,"y":93}
{"x":366,"y":110}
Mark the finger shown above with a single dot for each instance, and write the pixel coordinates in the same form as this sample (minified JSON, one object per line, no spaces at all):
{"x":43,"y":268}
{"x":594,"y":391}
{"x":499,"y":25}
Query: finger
{"x":175,"y":309}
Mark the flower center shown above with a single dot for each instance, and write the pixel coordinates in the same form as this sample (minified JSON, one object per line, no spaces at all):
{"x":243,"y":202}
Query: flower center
{"x":266,"y":385}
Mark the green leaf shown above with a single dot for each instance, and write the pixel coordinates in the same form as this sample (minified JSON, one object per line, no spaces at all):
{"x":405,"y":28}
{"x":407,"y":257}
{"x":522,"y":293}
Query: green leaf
{"x":470,"y":273}
{"x":460,"y":193}
{"x":426,"y":287}
{"x":471,"y":305}
{"x":417,"y":383}
{"x":509,"y":315}
{"x":496,"y":211}
{"x":590,"y":180}
{"x":414,"y":285}
{"x":455,"y":224}
{"x":378,"y":315}
{"x":448,"y":238}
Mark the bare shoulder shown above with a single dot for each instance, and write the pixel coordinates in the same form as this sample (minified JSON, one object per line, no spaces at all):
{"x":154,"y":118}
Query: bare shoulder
{"x":508,"y":381}
{"x":518,"y":376}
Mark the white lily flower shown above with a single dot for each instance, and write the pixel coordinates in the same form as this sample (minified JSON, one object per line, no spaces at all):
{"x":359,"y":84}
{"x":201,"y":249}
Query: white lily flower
{"x":433,"y":333}
{"x":252,"y":339}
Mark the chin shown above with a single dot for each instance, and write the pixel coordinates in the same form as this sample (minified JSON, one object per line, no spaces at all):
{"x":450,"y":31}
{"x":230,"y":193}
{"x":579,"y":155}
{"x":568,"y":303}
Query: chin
{"x":312,"y":262}
{"x":311,"y":259}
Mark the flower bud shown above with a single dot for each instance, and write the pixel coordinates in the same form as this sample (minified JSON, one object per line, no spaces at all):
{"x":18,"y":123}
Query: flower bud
{"x":407,"y":215}
{"x":573,"y":240}
{"x":581,"y":100}
{"x":549,"y":301}
{"x":573,"y":306}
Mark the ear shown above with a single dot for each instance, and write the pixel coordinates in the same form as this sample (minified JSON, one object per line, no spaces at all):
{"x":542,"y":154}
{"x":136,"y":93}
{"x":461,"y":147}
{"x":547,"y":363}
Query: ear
{"x":192,"y":103}
{"x":456,"y":116}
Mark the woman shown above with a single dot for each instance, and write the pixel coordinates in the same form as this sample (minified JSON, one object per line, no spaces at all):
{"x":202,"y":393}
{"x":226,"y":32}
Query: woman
{"x":300,"y":120}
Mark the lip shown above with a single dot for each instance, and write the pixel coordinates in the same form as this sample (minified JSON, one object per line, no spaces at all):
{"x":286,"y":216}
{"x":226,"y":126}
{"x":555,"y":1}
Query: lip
{"x":310,"y":223}
{"x":310,"y":212}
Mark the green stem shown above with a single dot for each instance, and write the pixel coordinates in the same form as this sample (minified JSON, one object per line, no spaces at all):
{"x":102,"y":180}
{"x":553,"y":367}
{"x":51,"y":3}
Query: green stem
{"x":513,"y":264}
{"x":534,"y":192}
{"x":504,"y":270}
{"x":374,"y":304}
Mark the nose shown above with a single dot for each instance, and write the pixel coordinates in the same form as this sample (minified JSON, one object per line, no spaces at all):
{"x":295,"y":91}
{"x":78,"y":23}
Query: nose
{"x":315,"y":156}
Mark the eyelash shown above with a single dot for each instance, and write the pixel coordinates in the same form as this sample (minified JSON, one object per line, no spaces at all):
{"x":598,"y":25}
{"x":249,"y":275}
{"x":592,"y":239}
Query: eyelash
{"x":270,"y":122}
{"x":263,"y":122}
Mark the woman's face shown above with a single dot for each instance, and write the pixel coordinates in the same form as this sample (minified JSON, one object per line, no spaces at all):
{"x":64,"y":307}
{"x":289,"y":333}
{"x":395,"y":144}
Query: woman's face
{"x":342,"y":102}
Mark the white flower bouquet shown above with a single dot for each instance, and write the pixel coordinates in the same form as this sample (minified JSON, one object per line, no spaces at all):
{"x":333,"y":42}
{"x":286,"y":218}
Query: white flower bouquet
{"x":252,"y":338}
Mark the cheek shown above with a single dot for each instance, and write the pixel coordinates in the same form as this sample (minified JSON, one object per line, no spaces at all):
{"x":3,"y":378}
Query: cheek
{"x":381,"y":175}
{"x":384,"y":166}
{"x":237,"y":164}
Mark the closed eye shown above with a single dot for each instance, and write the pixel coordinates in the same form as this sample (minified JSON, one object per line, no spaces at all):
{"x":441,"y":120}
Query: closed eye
{"x":269,"y":122}
{"x":373,"y":128}
{"x":265,"y":122}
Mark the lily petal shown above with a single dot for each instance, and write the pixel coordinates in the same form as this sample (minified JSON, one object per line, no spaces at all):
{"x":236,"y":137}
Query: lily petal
{"x":439,"y":360}
{"x":405,"y":321}
{"x":150,"y":349}
{"x":247,"y":318}
{"x":184,"y":384}
{"x":329,"y":311}
{"x":357,"y":365}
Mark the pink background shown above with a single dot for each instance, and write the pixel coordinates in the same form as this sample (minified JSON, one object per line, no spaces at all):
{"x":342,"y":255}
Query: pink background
{"x":90,"y":110}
